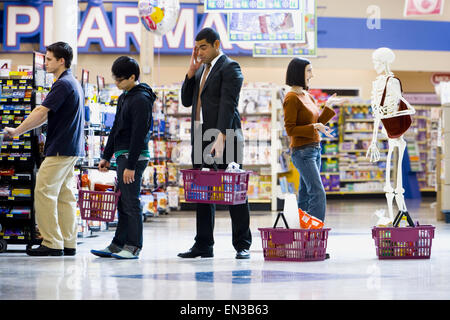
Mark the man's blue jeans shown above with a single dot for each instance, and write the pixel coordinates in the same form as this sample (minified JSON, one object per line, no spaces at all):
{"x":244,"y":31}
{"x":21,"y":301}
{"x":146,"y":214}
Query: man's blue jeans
{"x":311,"y":194}
{"x":129,"y":226}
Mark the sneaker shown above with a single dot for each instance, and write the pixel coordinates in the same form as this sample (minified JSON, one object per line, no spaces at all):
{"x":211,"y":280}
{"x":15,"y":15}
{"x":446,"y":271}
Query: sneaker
{"x":107,"y":252}
{"x":127,"y":253}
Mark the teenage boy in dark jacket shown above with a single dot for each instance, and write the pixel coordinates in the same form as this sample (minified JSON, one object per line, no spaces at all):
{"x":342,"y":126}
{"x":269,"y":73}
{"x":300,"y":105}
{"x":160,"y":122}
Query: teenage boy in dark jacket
{"x":128,"y":142}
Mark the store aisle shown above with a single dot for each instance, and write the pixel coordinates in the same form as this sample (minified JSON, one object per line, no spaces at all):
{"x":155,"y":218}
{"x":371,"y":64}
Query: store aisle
{"x":352,"y":272}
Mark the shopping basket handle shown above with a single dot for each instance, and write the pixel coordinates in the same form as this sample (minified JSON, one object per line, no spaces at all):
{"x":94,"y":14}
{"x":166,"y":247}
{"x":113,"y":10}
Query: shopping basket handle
{"x":95,"y":167}
{"x":210,"y":156}
{"x":284,"y":219}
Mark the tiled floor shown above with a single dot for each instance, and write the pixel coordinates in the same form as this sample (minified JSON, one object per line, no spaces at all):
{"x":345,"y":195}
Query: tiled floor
{"x":352,"y":272}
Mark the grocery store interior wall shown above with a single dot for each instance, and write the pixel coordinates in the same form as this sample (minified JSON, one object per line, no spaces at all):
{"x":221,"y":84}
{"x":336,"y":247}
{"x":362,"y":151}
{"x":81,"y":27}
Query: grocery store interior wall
{"x":172,"y":69}
{"x":333,"y":68}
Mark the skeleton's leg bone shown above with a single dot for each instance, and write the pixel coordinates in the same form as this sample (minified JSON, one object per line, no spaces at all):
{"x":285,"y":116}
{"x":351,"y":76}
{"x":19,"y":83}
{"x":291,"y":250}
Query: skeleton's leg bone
{"x":399,"y":191}
{"x":387,"y":187}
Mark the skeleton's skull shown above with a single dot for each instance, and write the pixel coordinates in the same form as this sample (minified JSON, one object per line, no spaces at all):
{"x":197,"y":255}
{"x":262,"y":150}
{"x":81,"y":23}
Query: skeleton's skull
{"x":382,"y":57}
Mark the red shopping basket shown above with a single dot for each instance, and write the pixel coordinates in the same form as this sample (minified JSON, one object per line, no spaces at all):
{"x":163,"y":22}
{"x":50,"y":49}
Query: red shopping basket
{"x":215,"y":186}
{"x":97,"y":205}
{"x":293,"y":244}
{"x":403,"y":242}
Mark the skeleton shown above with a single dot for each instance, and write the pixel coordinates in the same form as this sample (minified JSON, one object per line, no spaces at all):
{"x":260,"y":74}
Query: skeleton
{"x":382,"y":59}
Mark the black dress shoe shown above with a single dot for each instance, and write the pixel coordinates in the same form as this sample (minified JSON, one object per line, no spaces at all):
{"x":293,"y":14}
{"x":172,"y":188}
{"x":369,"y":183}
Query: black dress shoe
{"x":194,"y":253}
{"x":43,"y":251}
{"x":243,"y":254}
{"x":70,"y":251}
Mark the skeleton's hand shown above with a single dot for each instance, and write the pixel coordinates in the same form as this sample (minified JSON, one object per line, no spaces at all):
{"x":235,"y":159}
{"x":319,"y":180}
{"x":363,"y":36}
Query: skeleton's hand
{"x":373,"y":152}
{"x":333,"y":100}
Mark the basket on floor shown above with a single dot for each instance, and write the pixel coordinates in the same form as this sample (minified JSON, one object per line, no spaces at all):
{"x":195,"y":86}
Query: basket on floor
{"x":294,"y":244}
{"x":404,"y":242}
{"x":215,"y":186}
{"x":97,"y":205}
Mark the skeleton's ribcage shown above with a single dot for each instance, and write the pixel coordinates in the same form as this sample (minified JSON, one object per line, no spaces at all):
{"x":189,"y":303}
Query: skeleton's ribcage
{"x":390,"y":107}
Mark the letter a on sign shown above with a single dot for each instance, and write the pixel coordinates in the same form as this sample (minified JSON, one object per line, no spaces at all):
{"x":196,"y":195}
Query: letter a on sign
{"x":423,"y":7}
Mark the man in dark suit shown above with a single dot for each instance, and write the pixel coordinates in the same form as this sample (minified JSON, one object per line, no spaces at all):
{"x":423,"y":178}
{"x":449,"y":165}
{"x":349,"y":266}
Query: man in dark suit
{"x":212,"y":86}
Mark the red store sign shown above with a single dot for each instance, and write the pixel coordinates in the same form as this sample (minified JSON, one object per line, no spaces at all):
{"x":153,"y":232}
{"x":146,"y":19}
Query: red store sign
{"x":440,"y":77}
{"x":423,"y":7}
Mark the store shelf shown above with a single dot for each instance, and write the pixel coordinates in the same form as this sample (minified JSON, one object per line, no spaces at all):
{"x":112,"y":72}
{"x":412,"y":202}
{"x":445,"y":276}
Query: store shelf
{"x":17,"y":221}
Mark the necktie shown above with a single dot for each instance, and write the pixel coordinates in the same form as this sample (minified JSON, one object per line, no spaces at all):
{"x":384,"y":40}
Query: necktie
{"x":202,"y":83}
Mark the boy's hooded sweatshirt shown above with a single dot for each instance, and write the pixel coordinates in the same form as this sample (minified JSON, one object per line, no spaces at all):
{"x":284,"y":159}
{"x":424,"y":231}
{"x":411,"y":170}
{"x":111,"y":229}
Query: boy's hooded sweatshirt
{"x":131,"y":129}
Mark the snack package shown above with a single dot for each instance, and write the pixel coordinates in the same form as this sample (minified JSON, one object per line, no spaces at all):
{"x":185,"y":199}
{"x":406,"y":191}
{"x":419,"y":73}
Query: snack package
{"x":308,"y":221}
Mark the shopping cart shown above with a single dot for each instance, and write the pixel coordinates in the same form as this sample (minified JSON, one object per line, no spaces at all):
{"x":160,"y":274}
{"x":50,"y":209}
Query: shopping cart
{"x":97,"y":205}
{"x":293,"y":244}
{"x":215,"y":186}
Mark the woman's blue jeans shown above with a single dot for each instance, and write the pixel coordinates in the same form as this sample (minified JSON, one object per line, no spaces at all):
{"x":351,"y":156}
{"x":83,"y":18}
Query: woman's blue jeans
{"x":311,"y":194}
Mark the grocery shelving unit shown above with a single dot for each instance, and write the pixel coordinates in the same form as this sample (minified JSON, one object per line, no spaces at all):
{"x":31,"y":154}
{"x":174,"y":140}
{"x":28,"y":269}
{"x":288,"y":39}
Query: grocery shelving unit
{"x":18,"y":160}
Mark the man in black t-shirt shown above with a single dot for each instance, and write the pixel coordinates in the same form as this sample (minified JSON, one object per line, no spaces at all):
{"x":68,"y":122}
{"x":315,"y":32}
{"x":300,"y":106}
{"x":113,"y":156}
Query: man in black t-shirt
{"x":55,"y":203}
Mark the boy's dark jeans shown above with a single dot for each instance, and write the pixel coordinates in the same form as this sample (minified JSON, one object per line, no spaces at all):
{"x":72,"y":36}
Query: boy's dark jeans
{"x":129,"y":226}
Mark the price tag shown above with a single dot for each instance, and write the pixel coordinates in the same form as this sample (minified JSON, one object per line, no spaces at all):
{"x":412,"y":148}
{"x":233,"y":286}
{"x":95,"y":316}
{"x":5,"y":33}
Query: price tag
{"x":16,"y":111}
{"x":23,"y":81}
{"x":15,"y":100}
{"x":15,"y":147}
{"x":3,"y":99}
{"x":21,"y":237}
{"x":27,"y":147}
{"x":9,"y":82}
{"x":27,"y":135}
{"x":9,"y":215}
{"x":6,"y":112}
{"x":10,"y":158}
{"x":27,"y":100}
{"x":10,"y":198}
{"x":15,"y":178}
{"x":5,"y":121}
{"x":6,"y":237}
{"x":23,"y":158}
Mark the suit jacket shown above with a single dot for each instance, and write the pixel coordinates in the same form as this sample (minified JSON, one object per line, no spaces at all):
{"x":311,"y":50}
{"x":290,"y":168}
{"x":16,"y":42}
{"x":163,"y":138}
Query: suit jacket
{"x":219,"y":97}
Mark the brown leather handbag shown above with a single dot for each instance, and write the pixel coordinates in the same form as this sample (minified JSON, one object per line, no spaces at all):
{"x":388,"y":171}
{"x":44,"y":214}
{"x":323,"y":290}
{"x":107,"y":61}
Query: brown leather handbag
{"x":396,"y":126}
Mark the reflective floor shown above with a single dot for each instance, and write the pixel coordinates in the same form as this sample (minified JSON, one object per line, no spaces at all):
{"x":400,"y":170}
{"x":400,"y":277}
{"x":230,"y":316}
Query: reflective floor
{"x":352,"y":272}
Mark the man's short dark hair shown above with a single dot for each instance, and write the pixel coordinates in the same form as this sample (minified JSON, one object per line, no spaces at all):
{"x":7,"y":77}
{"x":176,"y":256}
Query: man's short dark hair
{"x":61,"y":50}
{"x":209,"y":34}
{"x":124,"y":67}
{"x":295,"y":74}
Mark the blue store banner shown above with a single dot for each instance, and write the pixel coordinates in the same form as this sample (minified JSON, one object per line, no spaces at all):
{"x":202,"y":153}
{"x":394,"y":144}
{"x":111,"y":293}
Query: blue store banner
{"x":118,"y":30}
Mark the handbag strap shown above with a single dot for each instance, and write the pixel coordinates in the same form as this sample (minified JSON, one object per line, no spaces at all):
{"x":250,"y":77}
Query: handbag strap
{"x":384,"y":92}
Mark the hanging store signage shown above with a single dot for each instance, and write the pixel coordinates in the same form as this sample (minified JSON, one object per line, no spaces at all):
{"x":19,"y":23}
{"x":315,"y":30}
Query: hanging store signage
{"x":252,"y":5}
{"x":114,"y":31}
{"x":423,"y":7}
{"x":284,"y":49}
{"x":422,"y":98}
{"x":268,"y":27}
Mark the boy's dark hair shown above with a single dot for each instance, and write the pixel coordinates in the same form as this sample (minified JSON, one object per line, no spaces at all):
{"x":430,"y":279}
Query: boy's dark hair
{"x":61,"y":50}
{"x":209,"y":34}
{"x":124,"y":67}
{"x":295,"y":74}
